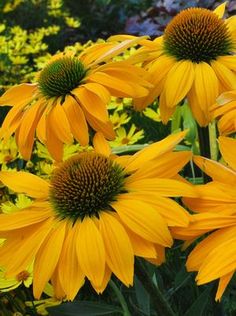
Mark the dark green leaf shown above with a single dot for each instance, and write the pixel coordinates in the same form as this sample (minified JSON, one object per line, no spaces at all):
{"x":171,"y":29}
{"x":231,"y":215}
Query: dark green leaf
{"x":199,"y":306}
{"x":142,"y":296}
{"x":85,"y":308}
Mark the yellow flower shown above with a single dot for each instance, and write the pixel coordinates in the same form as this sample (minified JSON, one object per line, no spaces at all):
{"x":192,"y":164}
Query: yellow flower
{"x":8,"y":151}
{"x":97,"y":212}
{"x":215,"y":256}
{"x":70,"y":94}
{"x":119,"y":119}
{"x":124,"y":138}
{"x":194,"y":59}
{"x":225,"y":112}
{"x":24,"y":277}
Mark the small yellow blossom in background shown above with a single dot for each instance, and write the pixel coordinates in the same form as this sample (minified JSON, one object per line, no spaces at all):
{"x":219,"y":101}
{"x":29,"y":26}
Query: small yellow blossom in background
{"x":21,"y":201}
{"x":119,"y":119}
{"x":97,"y":212}
{"x":24,"y":277}
{"x":127,"y":138}
{"x":8,"y":151}
{"x":214,"y":257}
{"x":153,"y":115}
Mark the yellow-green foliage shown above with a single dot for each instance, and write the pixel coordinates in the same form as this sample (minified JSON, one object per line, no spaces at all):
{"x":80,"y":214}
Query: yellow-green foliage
{"x":25,"y":50}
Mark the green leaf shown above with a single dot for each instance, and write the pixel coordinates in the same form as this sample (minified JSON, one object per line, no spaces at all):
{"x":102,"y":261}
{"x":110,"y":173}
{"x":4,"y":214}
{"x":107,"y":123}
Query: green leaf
{"x":199,"y":306}
{"x":85,"y":308}
{"x":142,"y":296}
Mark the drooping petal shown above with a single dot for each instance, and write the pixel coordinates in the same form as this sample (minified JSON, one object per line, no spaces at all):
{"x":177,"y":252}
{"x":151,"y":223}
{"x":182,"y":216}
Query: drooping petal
{"x":226,"y":77}
{"x":27,"y":129}
{"x":143,"y":220}
{"x":224,"y":281}
{"x":24,"y":182}
{"x":58,"y":120}
{"x":21,"y":246}
{"x":215,"y":170}
{"x":206,"y":86}
{"x":92,"y":103}
{"x":200,"y":252}
{"x":91,"y":251}
{"x":77,"y":121}
{"x":219,"y":262}
{"x":227,"y":149}
{"x":24,"y":90}
{"x":178,"y":83}
{"x":47,"y":258}
{"x":119,"y":252}
{"x":69,"y":270}
{"x":101,"y":145}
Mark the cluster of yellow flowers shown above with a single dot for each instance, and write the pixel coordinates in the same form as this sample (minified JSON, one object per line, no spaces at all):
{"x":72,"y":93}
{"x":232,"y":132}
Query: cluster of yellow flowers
{"x":94,"y":211}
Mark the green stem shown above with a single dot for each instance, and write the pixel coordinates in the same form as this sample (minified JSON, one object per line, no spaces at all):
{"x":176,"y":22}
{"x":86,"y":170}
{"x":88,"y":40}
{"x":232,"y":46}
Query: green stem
{"x":160,"y":303}
{"x":204,"y":145}
{"x":120,"y":298}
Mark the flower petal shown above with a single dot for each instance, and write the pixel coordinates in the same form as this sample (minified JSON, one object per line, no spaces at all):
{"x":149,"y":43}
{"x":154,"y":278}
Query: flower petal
{"x":47,"y":258}
{"x":77,"y":121}
{"x":178,"y":83}
{"x":23,"y":182}
{"x":228,"y":151}
{"x":143,"y":220}
{"x":91,"y":251}
{"x":119,"y":252}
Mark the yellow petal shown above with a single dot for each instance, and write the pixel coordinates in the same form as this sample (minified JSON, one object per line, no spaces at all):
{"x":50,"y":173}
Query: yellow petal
{"x":154,"y":150}
{"x":92,"y":103}
{"x":19,"y":251}
{"x":117,"y":49}
{"x":143,"y":220}
{"x":200,"y":252}
{"x":220,"y":10}
{"x":70,"y":273}
{"x":77,"y":121}
{"x":227,"y":149}
{"x":99,"y":90}
{"x":23,"y":182}
{"x":58,"y":119}
{"x":178,"y":83}
{"x":106,"y":128}
{"x":53,"y":143}
{"x":141,"y":246}
{"x":172,"y":212}
{"x":193,"y":101}
{"x":226,"y":77}
{"x":219,"y":262}
{"x":101,"y":145}
{"x":24,"y":90}
{"x":164,"y":187}
{"x":119,"y":252}
{"x":47,"y":258}
{"x":216,"y":170}
{"x":163,"y":167}
{"x":27,"y":129}
{"x":118,"y":87}
{"x":206,"y":86}
{"x":91,"y":251}
{"x":224,"y":281}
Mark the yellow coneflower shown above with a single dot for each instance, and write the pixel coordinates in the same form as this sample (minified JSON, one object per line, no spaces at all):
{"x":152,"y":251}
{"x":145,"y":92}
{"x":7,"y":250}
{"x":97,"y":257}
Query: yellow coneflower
{"x":215,"y":256}
{"x":97,"y":212}
{"x":70,"y":94}
{"x":194,"y":59}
